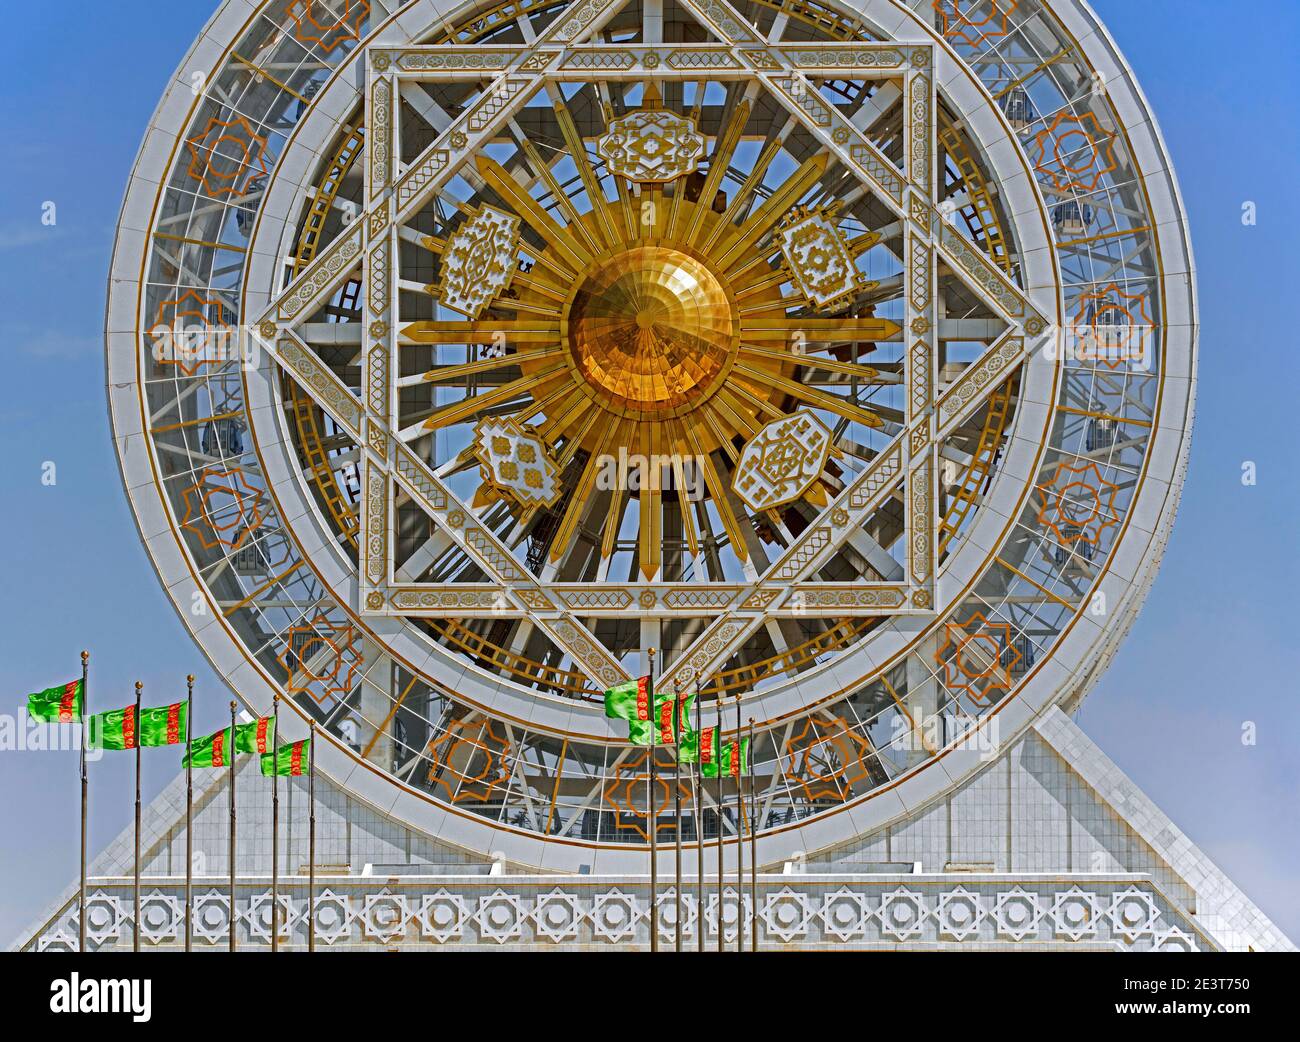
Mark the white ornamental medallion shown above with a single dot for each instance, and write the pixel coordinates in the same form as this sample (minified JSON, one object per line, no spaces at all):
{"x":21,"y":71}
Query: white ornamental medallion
{"x":783,"y":461}
{"x":480,"y":261}
{"x":651,"y":146}
{"x":819,"y":259}
{"x":516,"y":461}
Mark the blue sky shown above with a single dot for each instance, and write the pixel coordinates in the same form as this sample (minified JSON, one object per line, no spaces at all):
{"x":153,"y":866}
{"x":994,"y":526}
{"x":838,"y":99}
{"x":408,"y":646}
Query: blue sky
{"x":1214,"y":648}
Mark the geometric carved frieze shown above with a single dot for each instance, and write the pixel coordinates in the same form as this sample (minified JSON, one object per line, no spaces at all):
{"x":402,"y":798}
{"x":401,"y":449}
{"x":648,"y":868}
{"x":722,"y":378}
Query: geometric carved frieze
{"x":793,"y":911}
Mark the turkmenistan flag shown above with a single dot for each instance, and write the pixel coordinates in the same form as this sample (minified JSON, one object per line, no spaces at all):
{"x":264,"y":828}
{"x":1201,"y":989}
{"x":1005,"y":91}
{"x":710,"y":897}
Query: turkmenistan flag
{"x":630,"y":700}
{"x":215,"y":750}
{"x":687,"y":738}
{"x":287,"y":761}
{"x":732,"y":762}
{"x":57,"y":705}
{"x":119,"y":729}
{"x":116,"y":729}
{"x":710,"y":751}
{"x":685,"y":709}
{"x":257,"y":736}
{"x":672,"y":717}
{"x":700,"y":747}
{"x":659,"y":731}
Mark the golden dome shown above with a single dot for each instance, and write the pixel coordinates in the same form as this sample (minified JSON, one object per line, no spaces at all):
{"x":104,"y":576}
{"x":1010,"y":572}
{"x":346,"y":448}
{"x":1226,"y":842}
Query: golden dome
{"x":651,"y":331}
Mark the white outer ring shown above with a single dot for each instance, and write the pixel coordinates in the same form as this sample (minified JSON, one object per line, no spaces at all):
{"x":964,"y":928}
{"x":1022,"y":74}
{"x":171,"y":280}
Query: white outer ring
{"x":1075,"y":658}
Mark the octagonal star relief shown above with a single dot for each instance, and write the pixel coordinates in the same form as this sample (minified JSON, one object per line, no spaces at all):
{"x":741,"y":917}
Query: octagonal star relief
{"x":687,"y":367}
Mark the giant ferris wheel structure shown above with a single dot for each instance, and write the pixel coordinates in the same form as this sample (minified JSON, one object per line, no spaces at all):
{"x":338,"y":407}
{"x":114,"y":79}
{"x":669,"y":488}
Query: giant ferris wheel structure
{"x":842,"y":350}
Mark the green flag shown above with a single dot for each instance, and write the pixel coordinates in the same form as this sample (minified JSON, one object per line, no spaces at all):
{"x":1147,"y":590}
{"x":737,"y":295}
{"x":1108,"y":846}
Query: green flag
{"x":256,"y":736}
{"x":688,"y":739}
{"x":699,"y":747}
{"x":119,"y":729}
{"x":164,"y":725}
{"x":211,"y":750}
{"x":57,"y":705}
{"x":630,"y":700}
{"x":733,"y":765}
{"x":653,"y":732}
{"x":685,"y":707}
{"x":288,"y":761}
{"x":673,"y":717}
{"x":707,"y":742}
{"x":215,"y":750}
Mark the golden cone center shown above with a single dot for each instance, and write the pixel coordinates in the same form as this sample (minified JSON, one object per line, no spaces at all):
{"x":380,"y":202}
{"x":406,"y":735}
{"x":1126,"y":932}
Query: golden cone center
{"x":651,"y":330}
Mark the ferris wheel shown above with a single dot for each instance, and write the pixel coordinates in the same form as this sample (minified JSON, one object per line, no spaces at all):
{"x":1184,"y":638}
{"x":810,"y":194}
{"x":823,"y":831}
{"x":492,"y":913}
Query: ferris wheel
{"x":842,"y":351}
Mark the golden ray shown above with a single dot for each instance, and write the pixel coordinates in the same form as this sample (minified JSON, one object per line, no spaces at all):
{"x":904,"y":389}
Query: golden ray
{"x":735,"y":415}
{"x":768,"y":282}
{"x":724,"y":147}
{"x":680,"y":449}
{"x":541,"y":288}
{"x":761,"y":406}
{"x":573,"y":512}
{"x":527,"y":307}
{"x":754,"y":179}
{"x":760,"y":265}
{"x":863,"y":242}
{"x":571,"y":251}
{"x":730,"y":524}
{"x":651,"y":545}
{"x":548,"y":264}
{"x":578,"y":153}
{"x":759,"y":223}
{"x":866,"y":373}
{"x":654,"y":195}
{"x":820,"y":330}
{"x":831,"y":402}
{"x":484,"y":365}
{"x":517,"y":331}
{"x":457,"y":411}
{"x":547,"y":387}
{"x":625,"y":204}
{"x":463,"y":459}
{"x":770,"y":308}
{"x":558,"y":421}
{"x":545,"y":397}
{"x":553,"y":186}
{"x":627,"y":210}
{"x":724,"y":437}
{"x":679,"y":187}
{"x":612,"y":519}
{"x":573,"y":442}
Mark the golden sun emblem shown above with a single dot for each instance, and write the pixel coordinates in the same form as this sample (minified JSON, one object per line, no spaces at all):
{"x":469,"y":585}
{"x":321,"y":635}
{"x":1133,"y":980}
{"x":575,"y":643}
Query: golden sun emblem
{"x":657,"y":324}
